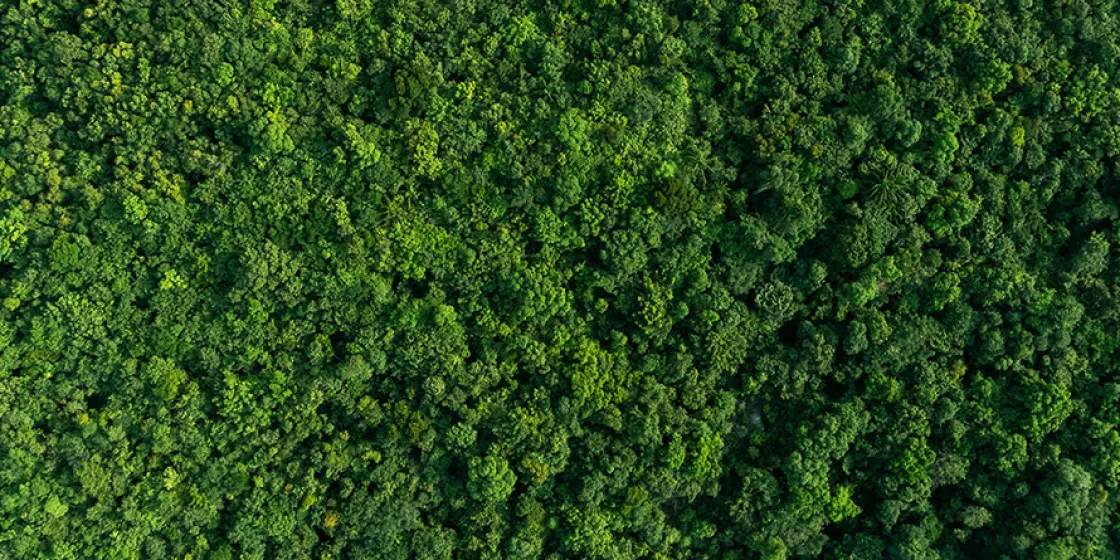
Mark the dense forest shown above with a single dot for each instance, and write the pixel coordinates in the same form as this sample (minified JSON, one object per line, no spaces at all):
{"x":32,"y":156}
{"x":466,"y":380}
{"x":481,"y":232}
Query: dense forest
{"x":594,"y":279}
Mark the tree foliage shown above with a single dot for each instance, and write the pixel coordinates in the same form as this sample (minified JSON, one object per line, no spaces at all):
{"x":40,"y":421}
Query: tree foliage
{"x":563,"y":278}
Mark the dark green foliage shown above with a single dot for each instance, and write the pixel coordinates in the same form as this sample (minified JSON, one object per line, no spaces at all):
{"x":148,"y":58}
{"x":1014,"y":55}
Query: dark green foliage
{"x":598,"y":279}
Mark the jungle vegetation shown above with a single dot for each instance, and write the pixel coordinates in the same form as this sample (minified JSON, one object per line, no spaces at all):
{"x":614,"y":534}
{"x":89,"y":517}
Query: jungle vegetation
{"x":594,"y":279}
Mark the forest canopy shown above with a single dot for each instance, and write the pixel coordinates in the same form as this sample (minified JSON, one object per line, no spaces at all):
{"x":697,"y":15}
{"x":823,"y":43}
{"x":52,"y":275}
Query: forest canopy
{"x":594,"y":279}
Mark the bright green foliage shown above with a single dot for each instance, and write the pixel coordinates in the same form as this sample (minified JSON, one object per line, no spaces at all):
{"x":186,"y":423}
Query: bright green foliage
{"x":490,"y":479}
{"x":615,"y":279}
